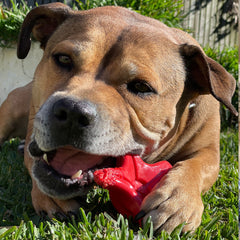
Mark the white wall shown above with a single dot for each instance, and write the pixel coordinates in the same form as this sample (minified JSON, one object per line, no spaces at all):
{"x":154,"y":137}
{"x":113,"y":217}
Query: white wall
{"x":15,"y":72}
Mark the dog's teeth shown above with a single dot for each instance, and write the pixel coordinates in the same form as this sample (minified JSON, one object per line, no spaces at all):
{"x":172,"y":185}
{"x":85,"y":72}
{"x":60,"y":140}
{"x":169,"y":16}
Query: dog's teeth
{"x":77,"y":174}
{"x":45,"y":158}
{"x":90,"y":176}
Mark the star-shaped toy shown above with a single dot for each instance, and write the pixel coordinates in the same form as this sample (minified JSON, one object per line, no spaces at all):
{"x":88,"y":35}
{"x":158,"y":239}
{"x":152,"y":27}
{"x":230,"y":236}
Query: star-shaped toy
{"x":130,"y":181}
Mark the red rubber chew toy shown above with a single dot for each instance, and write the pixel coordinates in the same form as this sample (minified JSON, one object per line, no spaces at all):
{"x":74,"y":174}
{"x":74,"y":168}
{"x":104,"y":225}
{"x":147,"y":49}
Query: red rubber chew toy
{"x":130,"y":182}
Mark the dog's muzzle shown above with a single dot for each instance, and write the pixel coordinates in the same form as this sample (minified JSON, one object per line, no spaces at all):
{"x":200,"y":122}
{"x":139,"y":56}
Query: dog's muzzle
{"x":71,"y":139}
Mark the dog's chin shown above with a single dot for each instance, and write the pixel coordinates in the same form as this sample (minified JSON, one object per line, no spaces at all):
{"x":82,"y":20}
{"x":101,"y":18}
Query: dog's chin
{"x":66,"y":172}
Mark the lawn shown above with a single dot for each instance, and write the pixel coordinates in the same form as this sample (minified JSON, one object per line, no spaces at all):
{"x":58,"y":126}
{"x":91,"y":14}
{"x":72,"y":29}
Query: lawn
{"x":19,"y":221}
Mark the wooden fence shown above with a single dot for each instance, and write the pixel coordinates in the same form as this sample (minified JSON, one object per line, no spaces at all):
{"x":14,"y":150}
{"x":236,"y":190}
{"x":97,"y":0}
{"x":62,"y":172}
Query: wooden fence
{"x":212,"y":23}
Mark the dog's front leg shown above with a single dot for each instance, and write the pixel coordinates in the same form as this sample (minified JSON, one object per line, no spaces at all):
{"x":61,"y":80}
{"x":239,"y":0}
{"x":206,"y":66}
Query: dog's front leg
{"x":177,"y":197}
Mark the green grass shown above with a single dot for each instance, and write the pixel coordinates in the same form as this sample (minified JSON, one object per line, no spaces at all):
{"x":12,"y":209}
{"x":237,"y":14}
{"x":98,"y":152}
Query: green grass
{"x":19,"y":221}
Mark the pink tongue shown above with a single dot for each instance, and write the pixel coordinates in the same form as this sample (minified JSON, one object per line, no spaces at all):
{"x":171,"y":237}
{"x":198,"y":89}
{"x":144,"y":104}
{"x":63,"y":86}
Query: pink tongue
{"x":69,"y":161}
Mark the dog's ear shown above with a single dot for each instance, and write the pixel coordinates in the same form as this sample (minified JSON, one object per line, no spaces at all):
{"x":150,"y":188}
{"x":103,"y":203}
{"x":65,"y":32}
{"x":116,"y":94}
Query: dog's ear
{"x":207,"y":76}
{"x":42,"y":22}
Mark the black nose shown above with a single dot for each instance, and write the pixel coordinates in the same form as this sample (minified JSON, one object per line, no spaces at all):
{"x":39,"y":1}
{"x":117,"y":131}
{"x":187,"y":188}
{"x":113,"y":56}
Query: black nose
{"x":69,"y":112}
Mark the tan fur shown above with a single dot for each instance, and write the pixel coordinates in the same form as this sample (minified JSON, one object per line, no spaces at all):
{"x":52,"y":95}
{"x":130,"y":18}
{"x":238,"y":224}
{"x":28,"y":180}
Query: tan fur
{"x":111,"y":47}
{"x":14,"y":113}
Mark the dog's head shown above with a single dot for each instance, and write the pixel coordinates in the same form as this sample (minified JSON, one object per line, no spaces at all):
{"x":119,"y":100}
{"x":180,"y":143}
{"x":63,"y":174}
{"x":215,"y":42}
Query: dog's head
{"x":111,"y":82}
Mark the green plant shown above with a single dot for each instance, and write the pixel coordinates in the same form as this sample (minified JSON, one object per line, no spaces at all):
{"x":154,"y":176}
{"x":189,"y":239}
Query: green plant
{"x":11,"y":21}
{"x":168,"y":11}
{"x":228,"y":58}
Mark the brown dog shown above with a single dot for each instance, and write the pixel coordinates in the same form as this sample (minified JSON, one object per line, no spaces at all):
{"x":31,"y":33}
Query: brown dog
{"x":113,"y":82}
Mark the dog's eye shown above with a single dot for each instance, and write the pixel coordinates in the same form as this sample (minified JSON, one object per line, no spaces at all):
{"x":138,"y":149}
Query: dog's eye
{"x":140,"y":87}
{"x":63,"y":61}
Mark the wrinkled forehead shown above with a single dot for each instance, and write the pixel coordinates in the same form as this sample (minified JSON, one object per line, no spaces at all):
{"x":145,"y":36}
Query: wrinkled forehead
{"x":104,"y":40}
{"x":104,"y":31}
{"x":87,"y":28}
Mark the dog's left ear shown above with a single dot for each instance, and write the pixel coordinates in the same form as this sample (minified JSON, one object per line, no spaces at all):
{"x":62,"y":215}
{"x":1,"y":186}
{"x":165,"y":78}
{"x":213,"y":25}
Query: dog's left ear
{"x":207,"y":76}
{"x":42,"y":21}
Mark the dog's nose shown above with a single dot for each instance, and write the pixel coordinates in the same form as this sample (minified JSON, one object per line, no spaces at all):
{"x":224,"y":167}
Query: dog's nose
{"x":68,"y":112}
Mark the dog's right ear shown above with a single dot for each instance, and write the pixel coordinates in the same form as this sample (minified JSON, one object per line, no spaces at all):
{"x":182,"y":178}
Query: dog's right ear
{"x":207,"y":76}
{"x":42,"y":22}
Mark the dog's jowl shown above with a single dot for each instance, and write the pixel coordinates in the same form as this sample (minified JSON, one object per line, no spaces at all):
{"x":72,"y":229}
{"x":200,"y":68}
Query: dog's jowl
{"x":112,"y":82}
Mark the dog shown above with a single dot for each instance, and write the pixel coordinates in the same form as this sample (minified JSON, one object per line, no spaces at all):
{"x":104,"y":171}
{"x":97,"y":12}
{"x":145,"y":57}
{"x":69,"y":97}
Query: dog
{"x":113,"y":82}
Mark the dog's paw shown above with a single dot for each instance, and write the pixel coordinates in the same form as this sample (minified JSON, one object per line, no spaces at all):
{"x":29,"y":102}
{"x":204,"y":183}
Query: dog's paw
{"x":174,"y":201}
{"x":53,"y":208}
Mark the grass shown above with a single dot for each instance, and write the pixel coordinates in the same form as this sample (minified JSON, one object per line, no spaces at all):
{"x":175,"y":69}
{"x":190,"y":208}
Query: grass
{"x":19,"y":221}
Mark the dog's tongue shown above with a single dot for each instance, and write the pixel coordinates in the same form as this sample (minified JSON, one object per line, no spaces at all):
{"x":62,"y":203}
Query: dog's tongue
{"x":68,"y":161}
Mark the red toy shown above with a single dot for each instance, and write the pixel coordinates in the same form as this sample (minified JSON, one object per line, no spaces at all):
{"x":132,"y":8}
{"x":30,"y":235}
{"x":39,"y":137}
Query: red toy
{"x":130,"y":182}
